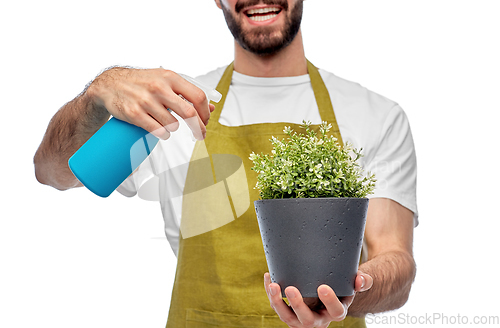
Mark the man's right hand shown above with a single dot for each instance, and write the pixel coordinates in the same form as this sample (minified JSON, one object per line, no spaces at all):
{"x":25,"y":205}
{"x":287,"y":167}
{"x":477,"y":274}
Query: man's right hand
{"x":138,"y":96}
{"x":142,"y":96}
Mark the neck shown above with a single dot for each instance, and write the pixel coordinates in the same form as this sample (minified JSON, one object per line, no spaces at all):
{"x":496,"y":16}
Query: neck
{"x":290,"y":61}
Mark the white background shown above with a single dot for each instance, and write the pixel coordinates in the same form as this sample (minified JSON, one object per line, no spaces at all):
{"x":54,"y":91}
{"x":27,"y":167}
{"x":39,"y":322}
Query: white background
{"x":72,"y":259}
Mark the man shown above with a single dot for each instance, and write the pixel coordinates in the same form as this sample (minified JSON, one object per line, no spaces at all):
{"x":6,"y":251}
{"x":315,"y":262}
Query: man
{"x":218,"y":272}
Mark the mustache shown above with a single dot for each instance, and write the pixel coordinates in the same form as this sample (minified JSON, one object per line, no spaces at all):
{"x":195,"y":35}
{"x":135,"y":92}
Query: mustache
{"x":240,"y":5}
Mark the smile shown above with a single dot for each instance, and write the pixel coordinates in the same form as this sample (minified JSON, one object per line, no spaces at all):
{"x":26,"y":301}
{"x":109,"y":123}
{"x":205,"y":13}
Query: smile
{"x":262,"y":14}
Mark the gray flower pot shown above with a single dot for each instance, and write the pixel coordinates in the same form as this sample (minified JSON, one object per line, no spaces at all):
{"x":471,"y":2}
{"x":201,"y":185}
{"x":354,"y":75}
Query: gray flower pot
{"x":313,"y":241}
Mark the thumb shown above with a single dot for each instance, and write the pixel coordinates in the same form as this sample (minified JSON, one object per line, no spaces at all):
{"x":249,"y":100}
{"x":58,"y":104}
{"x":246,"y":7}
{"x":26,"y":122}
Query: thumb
{"x":363,"y":282}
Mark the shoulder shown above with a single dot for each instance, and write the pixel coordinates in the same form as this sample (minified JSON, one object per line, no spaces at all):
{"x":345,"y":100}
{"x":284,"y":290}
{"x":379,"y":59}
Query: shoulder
{"x":361,"y":113}
{"x":366,"y":119}
{"x":212,"y":78}
{"x":349,"y":93}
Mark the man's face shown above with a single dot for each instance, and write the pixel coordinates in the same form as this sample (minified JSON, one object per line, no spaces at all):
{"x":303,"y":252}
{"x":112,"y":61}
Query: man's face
{"x":263,"y":27}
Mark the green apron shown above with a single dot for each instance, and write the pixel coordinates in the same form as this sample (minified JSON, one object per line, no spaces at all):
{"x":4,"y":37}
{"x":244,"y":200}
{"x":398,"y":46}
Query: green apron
{"x":221,"y":264}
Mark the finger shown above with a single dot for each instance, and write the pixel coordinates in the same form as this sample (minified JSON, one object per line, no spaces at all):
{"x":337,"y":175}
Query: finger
{"x":363,"y":282}
{"x":335,"y":308}
{"x":151,"y":125}
{"x":196,"y":96}
{"x":285,"y":313}
{"x":187,"y":112}
{"x":267,"y":282}
{"x":302,"y":311}
{"x":212,"y":107}
{"x":161,"y":114}
{"x":347,"y":301}
{"x":192,"y":93}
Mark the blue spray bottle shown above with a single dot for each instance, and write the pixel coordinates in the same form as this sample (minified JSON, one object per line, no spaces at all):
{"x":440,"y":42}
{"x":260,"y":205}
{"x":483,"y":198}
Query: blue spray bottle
{"x":116,"y":150}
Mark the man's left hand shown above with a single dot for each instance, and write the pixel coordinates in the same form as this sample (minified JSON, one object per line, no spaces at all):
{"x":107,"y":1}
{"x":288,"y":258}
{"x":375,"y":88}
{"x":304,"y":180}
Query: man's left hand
{"x":299,"y":315}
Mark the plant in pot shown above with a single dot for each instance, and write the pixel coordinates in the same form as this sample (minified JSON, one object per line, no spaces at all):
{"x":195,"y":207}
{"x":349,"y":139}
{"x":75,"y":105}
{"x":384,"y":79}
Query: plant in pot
{"x":312,"y":211}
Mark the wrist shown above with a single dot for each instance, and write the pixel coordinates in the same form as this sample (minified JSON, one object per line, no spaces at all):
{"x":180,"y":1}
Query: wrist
{"x":92,"y":102}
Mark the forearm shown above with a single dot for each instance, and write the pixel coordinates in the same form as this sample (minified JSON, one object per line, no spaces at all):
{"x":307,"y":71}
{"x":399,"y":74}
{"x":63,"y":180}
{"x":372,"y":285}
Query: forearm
{"x":70,"y":128}
{"x":393,"y":273}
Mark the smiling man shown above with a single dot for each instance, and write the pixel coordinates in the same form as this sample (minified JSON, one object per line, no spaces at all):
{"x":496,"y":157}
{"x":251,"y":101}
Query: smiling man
{"x":264,"y":38}
{"x":270,"y":83}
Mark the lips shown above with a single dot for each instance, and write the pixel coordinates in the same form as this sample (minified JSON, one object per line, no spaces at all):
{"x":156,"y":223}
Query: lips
{"x":262,"y":14}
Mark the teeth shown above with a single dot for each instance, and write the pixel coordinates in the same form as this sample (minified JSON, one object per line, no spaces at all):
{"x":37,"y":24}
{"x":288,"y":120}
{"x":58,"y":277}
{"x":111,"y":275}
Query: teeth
{"x":262,"y":10}
{"x":259,"y":14}
{"x":262,"y":18}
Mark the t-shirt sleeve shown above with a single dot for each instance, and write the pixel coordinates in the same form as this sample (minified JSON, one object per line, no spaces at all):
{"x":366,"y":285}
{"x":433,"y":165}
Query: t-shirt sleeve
{"x":394,"y":162}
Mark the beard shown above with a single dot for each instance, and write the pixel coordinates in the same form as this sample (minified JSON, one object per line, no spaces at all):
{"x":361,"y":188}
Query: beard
{"x":265,"y":40}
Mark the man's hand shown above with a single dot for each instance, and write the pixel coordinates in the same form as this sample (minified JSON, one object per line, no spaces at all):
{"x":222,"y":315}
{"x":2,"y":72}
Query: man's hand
{"x":142,"y":96}
{"x":298,"y":314}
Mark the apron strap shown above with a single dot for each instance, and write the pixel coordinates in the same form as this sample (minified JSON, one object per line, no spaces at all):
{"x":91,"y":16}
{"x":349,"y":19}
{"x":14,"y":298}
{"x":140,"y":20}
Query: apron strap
{"x":323,"y":100}
{"x":223,"y":88}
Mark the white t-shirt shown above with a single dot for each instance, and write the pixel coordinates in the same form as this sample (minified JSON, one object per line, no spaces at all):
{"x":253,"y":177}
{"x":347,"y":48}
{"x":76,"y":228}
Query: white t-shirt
{"x":365,"y":119}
